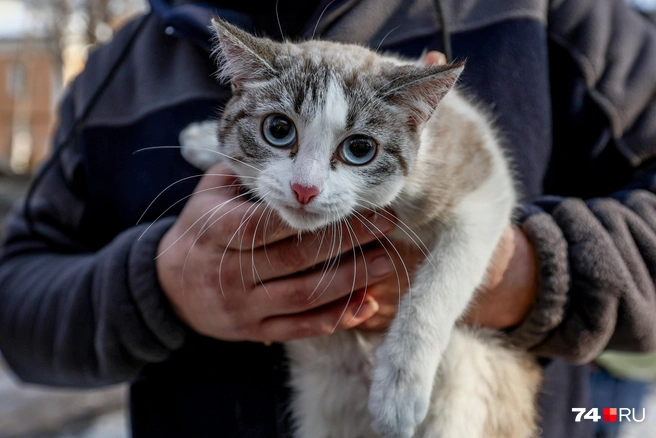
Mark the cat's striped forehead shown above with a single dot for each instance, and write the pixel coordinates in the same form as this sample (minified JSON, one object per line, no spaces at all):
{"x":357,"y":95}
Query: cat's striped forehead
{"x":330,"y":91}
{"x":339,"y":81}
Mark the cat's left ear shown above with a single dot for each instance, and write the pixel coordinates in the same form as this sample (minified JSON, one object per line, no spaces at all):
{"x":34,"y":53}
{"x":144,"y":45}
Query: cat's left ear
{"x":420,"y":89}
{"x":241,"y":56}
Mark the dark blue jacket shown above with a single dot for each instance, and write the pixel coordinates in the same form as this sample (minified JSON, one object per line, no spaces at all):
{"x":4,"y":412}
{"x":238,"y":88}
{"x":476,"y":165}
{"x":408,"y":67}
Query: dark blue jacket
{"x":572,"y":84}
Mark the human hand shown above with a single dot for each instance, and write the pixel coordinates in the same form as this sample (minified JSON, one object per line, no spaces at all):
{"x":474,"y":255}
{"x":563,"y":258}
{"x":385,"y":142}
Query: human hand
{"x":223,"y":283}
{"x":507,"y":295}
{"x":433,"y":58}
{"x":388,"y":292}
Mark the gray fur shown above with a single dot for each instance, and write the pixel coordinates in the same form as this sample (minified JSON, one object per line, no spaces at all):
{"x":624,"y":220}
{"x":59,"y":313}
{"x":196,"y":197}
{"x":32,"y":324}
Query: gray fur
{"x":439,"y":166}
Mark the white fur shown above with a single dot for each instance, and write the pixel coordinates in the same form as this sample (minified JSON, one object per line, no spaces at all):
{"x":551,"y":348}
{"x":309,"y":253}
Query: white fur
{"x":199,"y":144}
{"x":332,"y":376}
{"x":323,"y":131}
{"x":426,"y":378}
{"x":407,"y":395}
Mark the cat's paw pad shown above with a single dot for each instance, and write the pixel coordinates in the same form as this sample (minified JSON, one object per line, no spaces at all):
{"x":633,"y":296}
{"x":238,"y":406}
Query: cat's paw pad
{"x":398,"y":401}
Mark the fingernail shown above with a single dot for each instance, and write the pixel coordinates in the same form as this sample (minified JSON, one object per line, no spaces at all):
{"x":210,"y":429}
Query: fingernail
{"x":381,"y":225}
{"x":380,"y":266}
{"x":369,"y":308}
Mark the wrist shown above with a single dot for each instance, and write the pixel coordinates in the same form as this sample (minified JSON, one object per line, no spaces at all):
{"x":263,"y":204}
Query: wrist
{"x":521,"y":281}
{"x":506,"y":298}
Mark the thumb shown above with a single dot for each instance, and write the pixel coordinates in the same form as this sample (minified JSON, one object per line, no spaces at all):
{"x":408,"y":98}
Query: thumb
{"x":433,"y":58}
{"x":219,"y":175}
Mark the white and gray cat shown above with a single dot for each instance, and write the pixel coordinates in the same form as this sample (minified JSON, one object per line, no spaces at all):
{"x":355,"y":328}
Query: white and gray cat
{"x":325,"y":131}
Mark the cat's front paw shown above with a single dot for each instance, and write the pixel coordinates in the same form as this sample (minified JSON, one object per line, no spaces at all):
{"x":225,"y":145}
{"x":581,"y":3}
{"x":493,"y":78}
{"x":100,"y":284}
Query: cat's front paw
{"x":199,"y":144}
{"x":399,"y":400}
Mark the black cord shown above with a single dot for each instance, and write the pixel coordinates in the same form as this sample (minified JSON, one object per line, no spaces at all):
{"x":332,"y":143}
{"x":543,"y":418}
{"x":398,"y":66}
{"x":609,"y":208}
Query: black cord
{"x":71,"y":136}
{"x":446,"y":37}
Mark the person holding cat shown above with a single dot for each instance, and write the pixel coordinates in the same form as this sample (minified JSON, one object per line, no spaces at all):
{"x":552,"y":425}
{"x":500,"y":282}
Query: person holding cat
{"x":85,"y":302}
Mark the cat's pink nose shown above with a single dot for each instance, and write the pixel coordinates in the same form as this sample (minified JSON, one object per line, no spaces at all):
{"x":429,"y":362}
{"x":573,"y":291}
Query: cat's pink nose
{"x":304,"y":194}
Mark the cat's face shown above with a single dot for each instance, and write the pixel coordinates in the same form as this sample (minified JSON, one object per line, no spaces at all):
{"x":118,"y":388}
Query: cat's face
{"x":322,"y":129}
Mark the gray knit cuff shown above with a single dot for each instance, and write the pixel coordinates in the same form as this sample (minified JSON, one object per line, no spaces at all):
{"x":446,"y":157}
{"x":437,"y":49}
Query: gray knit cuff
{"x":554,"y":279}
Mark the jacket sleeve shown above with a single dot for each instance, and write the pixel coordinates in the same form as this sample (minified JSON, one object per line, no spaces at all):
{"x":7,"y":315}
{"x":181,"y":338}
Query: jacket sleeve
{"x":71,"y":314}
{"x":597,"y":254}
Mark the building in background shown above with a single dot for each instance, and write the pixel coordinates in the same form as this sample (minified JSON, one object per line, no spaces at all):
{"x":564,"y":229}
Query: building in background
{"x":43,"y":45}
{"x":29,"y":84}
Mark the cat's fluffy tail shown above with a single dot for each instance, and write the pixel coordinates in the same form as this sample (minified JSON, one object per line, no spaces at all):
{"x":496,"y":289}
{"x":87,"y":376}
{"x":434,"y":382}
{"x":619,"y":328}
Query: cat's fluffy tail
{"x":484,"y":389}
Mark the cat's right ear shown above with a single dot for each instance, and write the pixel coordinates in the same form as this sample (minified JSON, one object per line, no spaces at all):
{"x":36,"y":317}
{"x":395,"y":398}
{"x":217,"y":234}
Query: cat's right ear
{"x":420,"y":89}
{"x":241,"y":56}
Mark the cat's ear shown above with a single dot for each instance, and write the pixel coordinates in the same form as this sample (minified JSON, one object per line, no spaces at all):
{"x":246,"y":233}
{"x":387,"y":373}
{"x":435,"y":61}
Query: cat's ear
{"x":241,"y":56}
{"x":420,"y":89}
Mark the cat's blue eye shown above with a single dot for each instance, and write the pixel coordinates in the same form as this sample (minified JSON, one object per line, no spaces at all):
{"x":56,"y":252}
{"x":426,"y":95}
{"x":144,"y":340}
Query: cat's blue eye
{"x":358,"y":150}
{"x":279,"y":131}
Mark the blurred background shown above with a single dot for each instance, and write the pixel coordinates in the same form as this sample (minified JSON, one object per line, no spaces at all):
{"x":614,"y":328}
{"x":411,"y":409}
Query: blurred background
{"x":43,"y":46}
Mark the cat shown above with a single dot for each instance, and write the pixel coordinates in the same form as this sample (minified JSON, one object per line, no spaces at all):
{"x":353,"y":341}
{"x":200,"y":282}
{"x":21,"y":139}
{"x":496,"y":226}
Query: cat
{"x":323,"y":131}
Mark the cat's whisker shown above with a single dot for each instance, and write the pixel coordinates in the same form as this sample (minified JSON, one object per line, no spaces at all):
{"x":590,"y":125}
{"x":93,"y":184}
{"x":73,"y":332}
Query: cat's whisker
{"x":266,"y":227}
{"x":257,"y":226}
{"x":225,"y":250}
{"x":282,"y":224}
{"x":321,"y":236}
{"x":204,"y":228}
{"x":372,"y":228}
{"x":195,"y":222}
{"x":331,"y":249}
{"x":317,"y":237}
{"x":383,"y":40}
{"x":176,"y":203}
{"x":331,"y":264}
{"x":316,"y":26}
{"x":316,"y":257}
{"x":364,"y":220}
{"x":184,"y":264}
{"x":240,"y":238}
{"x":366,"y":273}
{"x":202,"y":231}
{"x":407,"y":231}
{"x":282,"y":36}
{"x":355,"y":273}
{"x":214,"y":151}
{"x":171,"y":185}
{"x":253,"y":267}
{"x":328,"y":264}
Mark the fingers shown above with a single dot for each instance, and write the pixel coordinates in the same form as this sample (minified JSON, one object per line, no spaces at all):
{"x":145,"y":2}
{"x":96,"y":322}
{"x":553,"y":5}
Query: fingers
{"x":223,"y":214}
{"x":293,"y":255}
{"x":433,"y":58}
{"x":387,"y":295}
{"x":320,"y":287}
{"x":345,"y":313}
